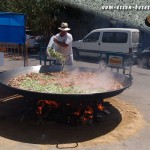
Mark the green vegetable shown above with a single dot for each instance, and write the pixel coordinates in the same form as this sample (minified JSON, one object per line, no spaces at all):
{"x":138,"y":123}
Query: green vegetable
{"x":33,"y":85}
{"x":56,"y":55}
{"x":59,"y":83}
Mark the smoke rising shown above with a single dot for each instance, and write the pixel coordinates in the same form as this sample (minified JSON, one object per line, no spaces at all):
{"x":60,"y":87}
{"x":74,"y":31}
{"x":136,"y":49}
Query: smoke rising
{"x":91,"y":79}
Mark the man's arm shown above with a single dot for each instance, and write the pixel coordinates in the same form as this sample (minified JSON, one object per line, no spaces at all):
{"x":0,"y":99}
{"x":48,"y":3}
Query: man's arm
{"x":63,"y":44}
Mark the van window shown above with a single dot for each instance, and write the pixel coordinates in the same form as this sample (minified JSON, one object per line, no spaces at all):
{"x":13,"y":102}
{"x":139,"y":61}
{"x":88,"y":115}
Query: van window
{"x":114,"y":37}
{"x":135,"y":37}
{"x":93,"y":37}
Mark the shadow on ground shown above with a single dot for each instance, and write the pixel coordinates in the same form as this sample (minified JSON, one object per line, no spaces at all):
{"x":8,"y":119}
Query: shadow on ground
{"x":14,"y":127}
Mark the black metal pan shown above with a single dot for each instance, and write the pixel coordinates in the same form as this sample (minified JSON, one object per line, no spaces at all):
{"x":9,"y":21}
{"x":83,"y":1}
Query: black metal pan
{"x":125,"y":80}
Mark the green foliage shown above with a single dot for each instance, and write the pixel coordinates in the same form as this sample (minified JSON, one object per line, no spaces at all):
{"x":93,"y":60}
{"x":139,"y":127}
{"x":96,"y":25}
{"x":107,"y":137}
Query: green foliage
{"x":41,"y":14}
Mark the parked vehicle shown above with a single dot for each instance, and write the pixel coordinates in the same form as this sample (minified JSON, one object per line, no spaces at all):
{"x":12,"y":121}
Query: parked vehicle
{"x":117,"y":40}
{"x":145,"y":57}
{"x":32,"y":42}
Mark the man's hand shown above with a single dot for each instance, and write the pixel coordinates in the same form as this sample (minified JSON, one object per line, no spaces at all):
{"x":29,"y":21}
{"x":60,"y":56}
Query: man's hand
{"x":55,"y":40}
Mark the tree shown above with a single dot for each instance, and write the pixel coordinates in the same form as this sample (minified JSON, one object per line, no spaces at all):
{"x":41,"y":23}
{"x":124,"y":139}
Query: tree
{"x":44,"y":16}
{"x":41,"y":15}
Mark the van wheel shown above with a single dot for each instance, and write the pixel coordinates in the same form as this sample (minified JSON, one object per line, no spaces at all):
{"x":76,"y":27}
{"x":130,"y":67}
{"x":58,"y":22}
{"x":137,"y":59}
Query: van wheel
{"x":146,"y":62}
{"x":75,"y":54}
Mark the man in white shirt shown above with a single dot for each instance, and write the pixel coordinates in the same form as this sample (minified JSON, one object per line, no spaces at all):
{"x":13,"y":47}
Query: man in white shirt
{"x":63,"y":43}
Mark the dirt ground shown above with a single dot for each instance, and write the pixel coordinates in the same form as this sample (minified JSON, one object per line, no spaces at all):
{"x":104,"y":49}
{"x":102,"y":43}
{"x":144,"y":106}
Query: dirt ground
{"x":123,"y":121}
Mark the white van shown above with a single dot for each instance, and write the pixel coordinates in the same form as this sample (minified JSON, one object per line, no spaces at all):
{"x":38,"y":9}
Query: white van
{"x":117,"y":40}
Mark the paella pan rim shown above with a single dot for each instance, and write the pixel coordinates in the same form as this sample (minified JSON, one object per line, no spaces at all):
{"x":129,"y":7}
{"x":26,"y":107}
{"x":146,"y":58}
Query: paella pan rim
{"x":7,"y":75}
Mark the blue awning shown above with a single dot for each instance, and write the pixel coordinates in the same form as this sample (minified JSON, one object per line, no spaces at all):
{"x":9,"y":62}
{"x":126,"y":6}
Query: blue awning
{"x":12,"y":27}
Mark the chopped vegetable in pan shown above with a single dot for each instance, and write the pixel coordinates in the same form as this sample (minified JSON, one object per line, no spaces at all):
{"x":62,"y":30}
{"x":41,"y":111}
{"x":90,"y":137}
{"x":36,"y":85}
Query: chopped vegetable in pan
{"x":64,"y":82}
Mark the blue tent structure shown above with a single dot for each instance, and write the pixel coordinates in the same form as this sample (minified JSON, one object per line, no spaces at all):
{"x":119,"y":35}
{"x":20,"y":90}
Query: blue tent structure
{"x":13,"y":28}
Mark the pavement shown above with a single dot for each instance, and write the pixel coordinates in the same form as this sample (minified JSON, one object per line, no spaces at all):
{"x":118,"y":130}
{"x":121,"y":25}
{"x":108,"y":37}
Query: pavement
{"x":137,"y":95}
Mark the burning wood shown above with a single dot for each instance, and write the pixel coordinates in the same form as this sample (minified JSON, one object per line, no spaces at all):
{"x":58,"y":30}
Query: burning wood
{"x":100,"y":107}
{"x":43,"y":103}
{"x":70,"y":113}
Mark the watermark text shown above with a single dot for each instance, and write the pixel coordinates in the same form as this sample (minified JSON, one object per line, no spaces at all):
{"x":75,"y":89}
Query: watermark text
{"x":126,"y":7}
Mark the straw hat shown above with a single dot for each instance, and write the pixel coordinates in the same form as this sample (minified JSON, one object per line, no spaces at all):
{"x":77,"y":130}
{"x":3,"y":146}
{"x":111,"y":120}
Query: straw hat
{"x":64,"y":27}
